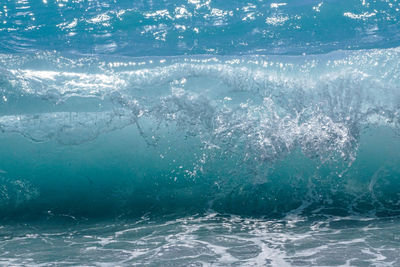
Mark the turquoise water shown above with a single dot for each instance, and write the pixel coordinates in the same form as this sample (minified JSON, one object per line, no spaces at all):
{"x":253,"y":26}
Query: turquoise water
{"x":199,"y":133}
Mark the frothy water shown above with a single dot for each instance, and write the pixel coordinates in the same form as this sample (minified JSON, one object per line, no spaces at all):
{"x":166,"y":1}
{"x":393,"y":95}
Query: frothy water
{"x":209,"y":240}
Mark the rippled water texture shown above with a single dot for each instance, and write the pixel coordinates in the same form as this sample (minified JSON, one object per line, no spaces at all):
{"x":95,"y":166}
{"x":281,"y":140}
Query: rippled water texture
{"x":187,"y":27}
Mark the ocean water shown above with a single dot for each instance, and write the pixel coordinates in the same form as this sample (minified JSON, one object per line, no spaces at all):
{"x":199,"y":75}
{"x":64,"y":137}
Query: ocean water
{"x":199,"y":133}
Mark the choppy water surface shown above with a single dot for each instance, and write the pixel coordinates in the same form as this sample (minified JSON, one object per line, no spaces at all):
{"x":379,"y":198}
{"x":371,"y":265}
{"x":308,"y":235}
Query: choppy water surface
{"x":199,"y":132}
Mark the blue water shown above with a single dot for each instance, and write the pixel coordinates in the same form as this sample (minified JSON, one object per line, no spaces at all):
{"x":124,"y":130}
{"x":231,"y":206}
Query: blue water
{"x":199,"y":133}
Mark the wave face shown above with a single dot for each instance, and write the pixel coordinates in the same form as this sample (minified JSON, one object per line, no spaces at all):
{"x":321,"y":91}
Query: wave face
{"x":121,"y":108}
{"x":251,"y":135}
{"x":188,"y":27}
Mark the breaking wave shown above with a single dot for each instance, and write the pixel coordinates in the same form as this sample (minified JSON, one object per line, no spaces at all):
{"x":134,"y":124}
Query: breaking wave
{"x":257,"y":135}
